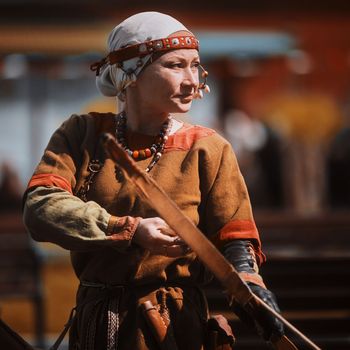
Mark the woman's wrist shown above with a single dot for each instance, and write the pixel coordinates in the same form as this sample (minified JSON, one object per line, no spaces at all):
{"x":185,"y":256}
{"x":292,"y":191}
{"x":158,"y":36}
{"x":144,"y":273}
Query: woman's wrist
{"x":122,"y":229}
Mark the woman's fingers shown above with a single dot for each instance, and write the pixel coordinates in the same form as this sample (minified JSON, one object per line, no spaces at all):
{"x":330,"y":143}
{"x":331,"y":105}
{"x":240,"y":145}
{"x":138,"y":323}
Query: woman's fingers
{"x":156,"y":236}
{"x":162,"y":239}
{"x":166,"y":230}
{"x":171,"y":246}
{"x":172,"y":240}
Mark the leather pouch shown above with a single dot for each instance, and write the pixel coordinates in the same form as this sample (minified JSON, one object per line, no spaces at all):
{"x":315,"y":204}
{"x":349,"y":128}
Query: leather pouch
{"x":219,"y":334}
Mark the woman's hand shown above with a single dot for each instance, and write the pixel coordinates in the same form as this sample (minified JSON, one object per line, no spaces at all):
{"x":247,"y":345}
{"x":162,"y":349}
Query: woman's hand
{"x":156,"y":236}
{"x":253,"y":314}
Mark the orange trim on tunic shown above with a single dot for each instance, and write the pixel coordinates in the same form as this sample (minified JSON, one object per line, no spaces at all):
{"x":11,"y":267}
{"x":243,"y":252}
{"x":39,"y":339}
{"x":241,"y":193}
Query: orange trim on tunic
{"x":184,"y":138}
{"x":240,"y":229}
{"x":50,"y":180}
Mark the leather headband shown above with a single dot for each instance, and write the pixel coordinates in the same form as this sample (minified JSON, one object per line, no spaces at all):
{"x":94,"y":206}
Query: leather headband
{"x":146,"y":48}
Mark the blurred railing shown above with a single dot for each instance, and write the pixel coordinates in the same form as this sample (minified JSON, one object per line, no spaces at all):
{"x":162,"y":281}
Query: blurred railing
{"x":20,"y":268}
{"x":308,"y":268}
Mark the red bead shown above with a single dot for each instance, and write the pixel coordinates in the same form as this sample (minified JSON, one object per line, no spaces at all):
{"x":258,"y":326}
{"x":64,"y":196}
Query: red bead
{"x":148,"y":152}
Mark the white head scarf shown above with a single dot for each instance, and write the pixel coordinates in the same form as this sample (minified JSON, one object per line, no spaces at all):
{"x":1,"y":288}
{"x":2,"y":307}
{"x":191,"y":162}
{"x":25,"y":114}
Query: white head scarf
{"x":144,"y":26}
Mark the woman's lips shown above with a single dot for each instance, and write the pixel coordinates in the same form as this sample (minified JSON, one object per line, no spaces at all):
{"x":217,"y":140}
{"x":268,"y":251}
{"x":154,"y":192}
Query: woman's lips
{"x":185,"y":97}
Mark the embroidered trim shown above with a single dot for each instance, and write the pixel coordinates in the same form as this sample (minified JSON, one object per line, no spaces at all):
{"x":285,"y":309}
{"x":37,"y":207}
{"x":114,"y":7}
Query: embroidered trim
{"x":122,"y":229}
{"x":184,"y":138}
{"x":113,"y":223}
{"x":240,"y":229}
{"x":113,"y":324}
{"x":50,"y":180}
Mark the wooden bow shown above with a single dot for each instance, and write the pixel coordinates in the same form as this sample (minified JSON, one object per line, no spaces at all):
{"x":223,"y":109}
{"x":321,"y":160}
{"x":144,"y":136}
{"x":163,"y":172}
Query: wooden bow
{"x":236,"y":288}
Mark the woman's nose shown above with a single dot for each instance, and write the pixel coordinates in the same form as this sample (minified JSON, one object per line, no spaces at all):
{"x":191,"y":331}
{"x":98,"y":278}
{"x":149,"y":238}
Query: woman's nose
{"x":190,"y":78}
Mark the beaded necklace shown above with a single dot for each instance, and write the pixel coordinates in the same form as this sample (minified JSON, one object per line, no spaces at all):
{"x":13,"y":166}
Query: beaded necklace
{"x":156,"y":149}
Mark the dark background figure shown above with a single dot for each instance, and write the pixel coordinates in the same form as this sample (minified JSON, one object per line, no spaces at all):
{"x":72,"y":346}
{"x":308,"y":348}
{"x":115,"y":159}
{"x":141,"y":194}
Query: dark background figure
{"x":11,"y":189}
{"x":338,"y":167}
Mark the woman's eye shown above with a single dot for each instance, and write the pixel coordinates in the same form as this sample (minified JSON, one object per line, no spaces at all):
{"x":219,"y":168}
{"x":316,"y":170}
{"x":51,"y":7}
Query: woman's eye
{"x":195,"y":65}
{"x":182,"y":65}
{"x":175,"y":65}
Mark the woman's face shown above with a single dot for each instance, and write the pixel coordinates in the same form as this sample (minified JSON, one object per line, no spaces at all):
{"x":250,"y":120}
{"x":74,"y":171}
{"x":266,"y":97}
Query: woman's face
{"x":169,"y":83}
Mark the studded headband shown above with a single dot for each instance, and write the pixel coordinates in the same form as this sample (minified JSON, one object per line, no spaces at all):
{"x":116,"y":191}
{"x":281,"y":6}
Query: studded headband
{"x":146,"y":48}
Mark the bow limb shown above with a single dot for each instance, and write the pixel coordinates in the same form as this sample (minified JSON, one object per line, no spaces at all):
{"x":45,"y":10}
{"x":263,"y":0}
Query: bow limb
{"x":284,"y":343}
{"x":148,"y":189}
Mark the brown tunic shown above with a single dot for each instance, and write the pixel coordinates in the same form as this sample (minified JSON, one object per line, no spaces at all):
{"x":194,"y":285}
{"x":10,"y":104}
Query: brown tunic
{"x":198,"y":170}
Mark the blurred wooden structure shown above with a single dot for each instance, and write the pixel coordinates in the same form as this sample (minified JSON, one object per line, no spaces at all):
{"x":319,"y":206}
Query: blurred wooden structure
{"x":10,"y":340}
{"x":308,"y":269}
{"x":49,"y":33}
{"x":308,"y":256}
{"x":20,"y":270}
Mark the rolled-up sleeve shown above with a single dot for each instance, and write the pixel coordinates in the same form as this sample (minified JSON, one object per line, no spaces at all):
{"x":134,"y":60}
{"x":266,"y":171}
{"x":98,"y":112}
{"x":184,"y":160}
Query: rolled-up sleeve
{"x":52,"y":213}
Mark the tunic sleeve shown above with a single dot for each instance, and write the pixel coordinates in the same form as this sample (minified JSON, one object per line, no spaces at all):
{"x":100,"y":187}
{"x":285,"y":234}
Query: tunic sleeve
{"x":53,"y":214}
{"x":227,"y":209}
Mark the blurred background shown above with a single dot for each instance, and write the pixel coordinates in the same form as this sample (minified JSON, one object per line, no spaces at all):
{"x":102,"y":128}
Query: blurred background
{"x":279,"y":74}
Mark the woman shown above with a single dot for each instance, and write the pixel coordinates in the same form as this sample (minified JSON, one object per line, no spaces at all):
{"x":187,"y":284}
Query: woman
{"x":122,"y":253}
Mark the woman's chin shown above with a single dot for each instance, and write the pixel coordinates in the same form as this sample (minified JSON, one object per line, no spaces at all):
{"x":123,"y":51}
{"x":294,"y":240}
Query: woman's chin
{"x":183,"y":107}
